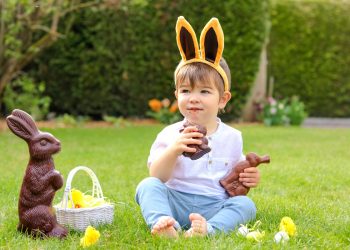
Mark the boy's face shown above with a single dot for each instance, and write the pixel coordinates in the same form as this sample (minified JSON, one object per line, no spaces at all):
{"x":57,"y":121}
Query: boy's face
{"x":200,"y":104}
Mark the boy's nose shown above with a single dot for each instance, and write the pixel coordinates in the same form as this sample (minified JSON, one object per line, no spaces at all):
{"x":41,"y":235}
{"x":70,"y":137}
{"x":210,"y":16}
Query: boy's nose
{"x":194,"y":98}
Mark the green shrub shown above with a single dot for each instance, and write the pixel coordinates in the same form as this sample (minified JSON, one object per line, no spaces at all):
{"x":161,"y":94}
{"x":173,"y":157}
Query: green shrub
{"x":274,"y":112}
{"x":25,"y":94}
{"x":113,"y":61}
{"x":118,"y":122}
{"x":66,"y":120}
{"x":309,"y":54}
{"x":295,"y":111}
{"x":283,"y":112}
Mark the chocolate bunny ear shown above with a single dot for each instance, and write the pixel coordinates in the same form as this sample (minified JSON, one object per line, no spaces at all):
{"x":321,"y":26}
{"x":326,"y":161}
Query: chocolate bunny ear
{"x":212,"y":41}
{"x":22,"y":124}
{"x":186,"y":39}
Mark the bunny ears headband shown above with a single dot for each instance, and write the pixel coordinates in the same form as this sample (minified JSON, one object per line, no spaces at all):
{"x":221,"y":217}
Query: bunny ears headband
{"x":211,"y":45}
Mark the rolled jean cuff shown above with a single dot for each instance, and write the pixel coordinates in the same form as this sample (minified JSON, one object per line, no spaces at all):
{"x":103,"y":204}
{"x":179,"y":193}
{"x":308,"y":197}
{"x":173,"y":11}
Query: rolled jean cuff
{"x":177,"y":226}
{"x":210,"y":229}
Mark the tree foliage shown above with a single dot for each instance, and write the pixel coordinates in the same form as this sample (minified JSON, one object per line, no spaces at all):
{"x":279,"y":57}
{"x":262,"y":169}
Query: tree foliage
{"x":113,"y":61}
{"x":27,"y":28}
{"x":309,"y":54}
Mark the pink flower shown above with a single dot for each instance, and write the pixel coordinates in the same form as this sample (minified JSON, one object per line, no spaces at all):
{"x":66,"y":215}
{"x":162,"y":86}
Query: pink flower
{"x":271,"y":101}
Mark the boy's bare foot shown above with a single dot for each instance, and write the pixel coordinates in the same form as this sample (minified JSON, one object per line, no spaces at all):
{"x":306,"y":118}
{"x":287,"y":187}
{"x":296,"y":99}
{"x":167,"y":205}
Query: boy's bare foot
{"x":165,"y":227}
{"x":198,"y":226}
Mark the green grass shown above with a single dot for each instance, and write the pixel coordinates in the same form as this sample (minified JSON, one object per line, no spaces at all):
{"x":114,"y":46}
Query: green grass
{"x":308,"y":179}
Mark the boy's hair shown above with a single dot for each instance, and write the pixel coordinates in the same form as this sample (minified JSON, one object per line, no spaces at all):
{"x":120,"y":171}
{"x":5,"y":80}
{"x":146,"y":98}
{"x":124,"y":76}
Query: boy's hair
{"x":200,"y":73}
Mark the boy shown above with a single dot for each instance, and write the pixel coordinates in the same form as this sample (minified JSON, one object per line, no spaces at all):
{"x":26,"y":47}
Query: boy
{"x":185,"y":193}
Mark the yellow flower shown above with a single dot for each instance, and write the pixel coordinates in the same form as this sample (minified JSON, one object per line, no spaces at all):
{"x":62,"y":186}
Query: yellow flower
{"x":91,"y":236}
{"x":155,"y":105}
{"x":287,"y":225}
{"x":78,"y":198}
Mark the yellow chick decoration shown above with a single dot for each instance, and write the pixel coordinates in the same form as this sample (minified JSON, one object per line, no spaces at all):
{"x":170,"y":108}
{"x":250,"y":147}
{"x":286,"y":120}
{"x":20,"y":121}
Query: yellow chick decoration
{"x":287,"y":225}
{"x":91,"y":236}
{"x":78,"y":198}
{"x":81,"y":200}
{"x":287,"y":229}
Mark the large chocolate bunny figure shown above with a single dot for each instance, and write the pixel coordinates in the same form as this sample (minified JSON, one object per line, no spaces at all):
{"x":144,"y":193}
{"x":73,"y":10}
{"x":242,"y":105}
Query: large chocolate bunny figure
{"x":41,"y":180}
{"x":200,"y":149}
{"x":231,"y":182}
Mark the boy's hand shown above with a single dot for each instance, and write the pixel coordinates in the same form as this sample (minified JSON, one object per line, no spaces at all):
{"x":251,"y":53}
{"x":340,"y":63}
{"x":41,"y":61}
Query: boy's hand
{"x":185,"y":139}
{"x":250,"y":177}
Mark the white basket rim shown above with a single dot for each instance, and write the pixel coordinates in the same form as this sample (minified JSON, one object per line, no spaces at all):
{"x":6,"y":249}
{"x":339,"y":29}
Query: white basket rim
{"x":58,"y":207}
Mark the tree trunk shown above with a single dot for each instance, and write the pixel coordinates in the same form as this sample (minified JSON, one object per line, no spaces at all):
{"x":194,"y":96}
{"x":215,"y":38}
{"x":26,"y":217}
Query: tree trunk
{"x":258,"y":91}
{"x":8,"y":74}
{"x":13,"y":66}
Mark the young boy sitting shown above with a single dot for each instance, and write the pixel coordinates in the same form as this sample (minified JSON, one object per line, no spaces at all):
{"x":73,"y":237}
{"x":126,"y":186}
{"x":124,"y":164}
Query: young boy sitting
{"x":185,"y":193}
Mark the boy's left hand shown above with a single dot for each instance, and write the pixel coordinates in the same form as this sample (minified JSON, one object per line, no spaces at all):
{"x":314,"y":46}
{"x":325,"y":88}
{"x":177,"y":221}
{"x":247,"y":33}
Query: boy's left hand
{"x":250,"y":177}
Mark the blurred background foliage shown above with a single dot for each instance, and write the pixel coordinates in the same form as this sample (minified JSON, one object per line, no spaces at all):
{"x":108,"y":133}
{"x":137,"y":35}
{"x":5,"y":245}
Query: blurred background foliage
{"x":113,"y":58}
{"x":309,"y":54}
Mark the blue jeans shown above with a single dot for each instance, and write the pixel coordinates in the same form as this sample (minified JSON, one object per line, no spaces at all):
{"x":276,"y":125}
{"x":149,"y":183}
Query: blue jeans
{"x":157,"y":200}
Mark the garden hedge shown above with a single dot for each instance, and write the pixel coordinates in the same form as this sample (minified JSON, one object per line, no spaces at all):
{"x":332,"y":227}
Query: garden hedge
{"x":309,"y":54}
{"x":112,"y":61}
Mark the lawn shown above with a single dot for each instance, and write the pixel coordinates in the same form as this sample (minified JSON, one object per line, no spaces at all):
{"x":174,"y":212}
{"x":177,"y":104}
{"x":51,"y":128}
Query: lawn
{"x":308,"y":179}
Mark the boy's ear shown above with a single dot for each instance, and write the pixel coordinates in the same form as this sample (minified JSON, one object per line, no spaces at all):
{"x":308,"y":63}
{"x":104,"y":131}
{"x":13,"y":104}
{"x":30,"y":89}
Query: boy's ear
{"x":212,"y":41}
{"x":224,"y":99}
{"x":186,"y":40}
{"x":175,"y":93}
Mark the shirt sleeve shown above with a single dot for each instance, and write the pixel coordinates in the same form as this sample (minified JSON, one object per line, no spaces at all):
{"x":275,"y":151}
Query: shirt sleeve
{"x":157,"y":148}
{"x":242,"y":157}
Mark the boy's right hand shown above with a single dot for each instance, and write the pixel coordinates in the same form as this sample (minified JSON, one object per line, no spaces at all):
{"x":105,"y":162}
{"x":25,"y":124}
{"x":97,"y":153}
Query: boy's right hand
{"x":185,"y":139}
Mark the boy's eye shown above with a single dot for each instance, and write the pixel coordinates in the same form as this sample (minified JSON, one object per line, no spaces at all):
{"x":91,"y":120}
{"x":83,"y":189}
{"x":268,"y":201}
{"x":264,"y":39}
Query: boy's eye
{"x":205,"y":91}
{"x":184,"y":91}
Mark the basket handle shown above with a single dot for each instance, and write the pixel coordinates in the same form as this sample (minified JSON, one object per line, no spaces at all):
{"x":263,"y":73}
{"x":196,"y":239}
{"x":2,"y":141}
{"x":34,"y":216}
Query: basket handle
{"x":96,"y":187}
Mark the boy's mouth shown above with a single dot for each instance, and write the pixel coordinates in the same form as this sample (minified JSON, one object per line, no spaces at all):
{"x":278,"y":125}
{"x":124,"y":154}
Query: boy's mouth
{"x":194,"y":109}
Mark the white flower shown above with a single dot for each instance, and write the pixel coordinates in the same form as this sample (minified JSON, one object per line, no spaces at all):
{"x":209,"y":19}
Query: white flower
{"x":243,"y":230}
{"x":273,"y":110}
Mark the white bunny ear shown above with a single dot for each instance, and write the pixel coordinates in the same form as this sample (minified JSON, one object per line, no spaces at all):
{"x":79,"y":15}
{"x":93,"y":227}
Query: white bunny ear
{"x":22,"y":124}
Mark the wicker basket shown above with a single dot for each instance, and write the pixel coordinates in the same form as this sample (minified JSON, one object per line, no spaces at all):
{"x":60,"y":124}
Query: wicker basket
{"x":80,"y":218}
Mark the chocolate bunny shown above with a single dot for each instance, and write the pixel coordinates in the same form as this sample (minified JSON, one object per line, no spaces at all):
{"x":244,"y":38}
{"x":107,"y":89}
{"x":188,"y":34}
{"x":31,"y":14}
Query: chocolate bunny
{"x":231,"y":182}
{"x":41,"y":180}
{"x":200,"y":149}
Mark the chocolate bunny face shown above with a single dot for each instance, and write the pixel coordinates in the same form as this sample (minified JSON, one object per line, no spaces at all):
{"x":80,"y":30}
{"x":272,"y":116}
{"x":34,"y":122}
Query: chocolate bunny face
{"x":41,"y":180}
{"x":41,"y":144}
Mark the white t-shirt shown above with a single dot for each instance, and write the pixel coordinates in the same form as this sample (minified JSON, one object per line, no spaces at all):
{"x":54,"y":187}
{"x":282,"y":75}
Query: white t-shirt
{"x":202,"y":176}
